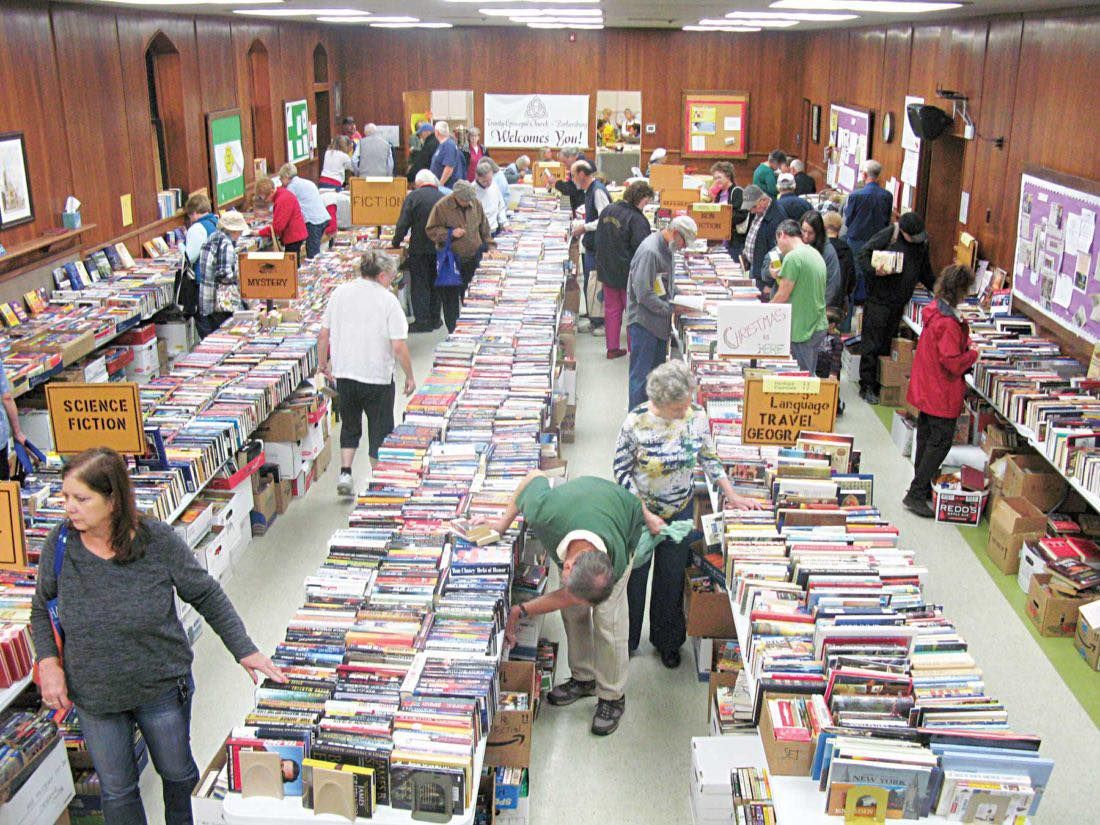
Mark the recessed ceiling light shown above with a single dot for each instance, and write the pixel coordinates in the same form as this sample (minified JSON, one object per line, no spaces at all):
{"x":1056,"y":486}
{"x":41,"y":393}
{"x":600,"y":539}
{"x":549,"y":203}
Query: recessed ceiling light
{"x":780,"y":15}
{"x":411,"y":26}
{"x":764,"y":24}
{"x":721,"y":28}
{"x":568,"y":21}
{"x":532,"y":12}
{"x":368,"y":19}
{"x":582,"y":26}
{"x":542,"y":2}
{"x":301,"y":12}
{"x":885,"y":6}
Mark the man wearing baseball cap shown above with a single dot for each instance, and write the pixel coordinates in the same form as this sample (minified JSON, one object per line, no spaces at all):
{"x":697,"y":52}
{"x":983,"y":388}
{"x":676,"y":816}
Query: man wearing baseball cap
{"x":793,"y":206}
{"x":888,"y":292}
{"x":760,"y":239}
{"x":219,"y":291}
{"x":649,"y":309}
{"x":422,"y":158}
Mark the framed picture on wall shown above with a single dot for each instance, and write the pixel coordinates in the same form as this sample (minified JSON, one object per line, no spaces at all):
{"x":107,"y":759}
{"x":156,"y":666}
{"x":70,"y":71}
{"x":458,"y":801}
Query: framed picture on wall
{"x":15,"y":181}
{"x":815,"y":123}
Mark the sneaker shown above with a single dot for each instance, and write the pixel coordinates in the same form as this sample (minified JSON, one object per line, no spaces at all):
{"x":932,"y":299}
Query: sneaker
{"x":570,"y":691}
{"x":345,"y":486}
{"x":671,"y":659}
{"x":870,"y":396}
{"x":608,"y":714}
{"x":918,"y":507}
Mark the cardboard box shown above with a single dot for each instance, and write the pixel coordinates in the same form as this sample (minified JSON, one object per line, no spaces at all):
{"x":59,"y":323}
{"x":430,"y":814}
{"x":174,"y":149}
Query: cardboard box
{"x":725,"y":678}
{"x":510,"y":738}
{"x":285,"y":424}
{"x":568,"y":343}
{"x":1087,"y":637}
{"x":892,"y":396}
{"x":287,"y":455}
{"x":214,"y":554}
{"x":572,"y":301}
{"x":174,"y":334}
{"x":903,"y":433}
{"x":263,"y":509}
{"x":961,"y":507}
{"x":204,"y":810}
{"x":995,"y":441}
{"x":303,"y":480}
{"x":321,"y":462}
{"x":1031,"y":477}
{"x":890,"y":372}
{"x":282,"y":495}
{"x":708,"y":614}
{"x":1053,"y":613}
{"x":1031,"y":564}
{"x":784,"y":758}
{"x":902,"y":350}
{"x":1012,"y":521}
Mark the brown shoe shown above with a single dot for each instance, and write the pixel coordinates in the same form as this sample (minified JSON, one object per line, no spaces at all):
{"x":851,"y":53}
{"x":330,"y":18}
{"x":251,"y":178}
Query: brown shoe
{"x":612,"y":354}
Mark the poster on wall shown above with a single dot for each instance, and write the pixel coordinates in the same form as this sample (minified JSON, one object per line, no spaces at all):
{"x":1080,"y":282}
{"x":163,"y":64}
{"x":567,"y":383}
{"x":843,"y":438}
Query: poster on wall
{"x":536,"y":120}
{"x":1056,"y":264}
{"x":223,"y":139}
{"x":298,"y":145}
{"x":15,"y":187}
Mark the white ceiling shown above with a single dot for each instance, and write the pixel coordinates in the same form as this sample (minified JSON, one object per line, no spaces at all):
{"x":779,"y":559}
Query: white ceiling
{"x":616,"y":13}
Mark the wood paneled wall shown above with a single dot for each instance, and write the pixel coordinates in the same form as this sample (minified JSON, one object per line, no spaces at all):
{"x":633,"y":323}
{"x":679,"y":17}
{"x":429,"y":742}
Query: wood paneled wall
{"x":79,"y":94}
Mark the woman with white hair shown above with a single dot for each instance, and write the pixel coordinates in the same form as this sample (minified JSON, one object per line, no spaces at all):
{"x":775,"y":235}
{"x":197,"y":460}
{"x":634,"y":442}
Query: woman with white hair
{"x":660,"y":444}
{"x":515,"y":170}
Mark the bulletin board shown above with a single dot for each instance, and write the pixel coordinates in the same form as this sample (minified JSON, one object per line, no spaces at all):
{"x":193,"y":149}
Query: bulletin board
{"x":223,"y":145}
{"x":298,"y":143}
{"x":1057,"y":252}
{"x":715,"y":124}
{"x":850,"y":133}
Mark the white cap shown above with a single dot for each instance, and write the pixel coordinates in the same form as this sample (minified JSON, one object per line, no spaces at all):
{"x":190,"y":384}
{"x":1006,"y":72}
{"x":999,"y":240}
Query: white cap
{"x":785,"y":181}
{"x":685,"y":227}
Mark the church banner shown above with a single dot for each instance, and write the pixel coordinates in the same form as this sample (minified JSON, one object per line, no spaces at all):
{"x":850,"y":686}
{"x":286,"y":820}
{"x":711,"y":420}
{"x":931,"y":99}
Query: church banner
{"x":515,"y":121}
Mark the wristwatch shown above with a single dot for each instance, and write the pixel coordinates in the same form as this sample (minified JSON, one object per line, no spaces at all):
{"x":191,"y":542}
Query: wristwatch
{"x":523,"y":611}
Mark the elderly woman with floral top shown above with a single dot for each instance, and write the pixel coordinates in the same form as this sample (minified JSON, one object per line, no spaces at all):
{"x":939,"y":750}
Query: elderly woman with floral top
{"x":661,"y":443}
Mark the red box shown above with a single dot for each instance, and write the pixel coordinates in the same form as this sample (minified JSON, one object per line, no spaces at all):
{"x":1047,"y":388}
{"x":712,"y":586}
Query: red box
{"x":959,"y":506}
{"x":138,"y":335}
{"x":229,"y":482}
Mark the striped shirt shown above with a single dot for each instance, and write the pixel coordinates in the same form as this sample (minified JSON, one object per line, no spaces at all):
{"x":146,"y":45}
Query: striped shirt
{"x":655,"y":459}
{"x":218,"y":265}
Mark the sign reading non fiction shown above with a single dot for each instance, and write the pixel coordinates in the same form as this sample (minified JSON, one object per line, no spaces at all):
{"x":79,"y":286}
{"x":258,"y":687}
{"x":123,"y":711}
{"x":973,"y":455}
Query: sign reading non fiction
{"x":753,"y":330}
{"x":715,"y":220}
{"x":778,"y":417}
{"x":96,"y":415}
{"x":269,"y":276}
{"x":13,"y":541}
{"x":536,"y":120}
{"x":377,"y":201}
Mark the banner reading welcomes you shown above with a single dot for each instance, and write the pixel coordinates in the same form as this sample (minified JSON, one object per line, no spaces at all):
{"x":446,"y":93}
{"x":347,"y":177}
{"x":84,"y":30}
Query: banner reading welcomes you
{"x":536,"y":120}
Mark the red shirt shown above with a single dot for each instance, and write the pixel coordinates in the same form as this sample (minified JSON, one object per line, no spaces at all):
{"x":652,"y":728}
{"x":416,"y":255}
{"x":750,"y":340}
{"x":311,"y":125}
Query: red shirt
{"x":943,"y":356}
{"x":286,"y":218}
{"x":476,"y":154}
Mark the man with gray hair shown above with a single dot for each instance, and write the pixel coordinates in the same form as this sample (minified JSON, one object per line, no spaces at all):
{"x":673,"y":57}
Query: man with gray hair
{"x":313,"y":210}
{"x":591,"y":528}
{"x":867,"y":212}
{"x":766,"y":217}
{"x":413,"y":222}
{"x":793,"y":206}
{"x":447,"y":162}
{"x":649,"y":293}
{"x":517,"y":169}
{"x":803,"y":183}
{"x":375,"y":154}
{"x":459,"y":219}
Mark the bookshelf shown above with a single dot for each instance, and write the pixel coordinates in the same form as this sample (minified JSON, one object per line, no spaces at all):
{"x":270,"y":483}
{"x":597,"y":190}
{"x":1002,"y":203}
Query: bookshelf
{"x":44,"y":244}
{"x":46,"y":795}
{"x":9,"y":694}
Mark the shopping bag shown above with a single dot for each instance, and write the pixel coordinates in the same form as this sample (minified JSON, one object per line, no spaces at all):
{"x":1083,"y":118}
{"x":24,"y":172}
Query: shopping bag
{"x":593,"y":298}
{"x":447,"y":272}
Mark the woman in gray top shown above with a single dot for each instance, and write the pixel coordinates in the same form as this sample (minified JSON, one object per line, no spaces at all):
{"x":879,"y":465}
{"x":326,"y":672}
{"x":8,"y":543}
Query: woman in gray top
{"x":127,"y":660}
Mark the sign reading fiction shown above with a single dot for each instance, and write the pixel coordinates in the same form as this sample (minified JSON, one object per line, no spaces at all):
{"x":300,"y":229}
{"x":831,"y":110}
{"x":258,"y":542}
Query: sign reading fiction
{"x":96,"y":415}
{"x":775,"y":414}
{"x":753,"y":330}
{"x":13,"y":541}
{"x":269,"y":276}
{"x":377,"y":201}
{"x":535,"y":120}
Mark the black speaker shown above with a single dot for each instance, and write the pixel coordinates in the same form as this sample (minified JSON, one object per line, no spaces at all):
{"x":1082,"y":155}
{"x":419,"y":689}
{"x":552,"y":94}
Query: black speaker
{"x":928,"y":122}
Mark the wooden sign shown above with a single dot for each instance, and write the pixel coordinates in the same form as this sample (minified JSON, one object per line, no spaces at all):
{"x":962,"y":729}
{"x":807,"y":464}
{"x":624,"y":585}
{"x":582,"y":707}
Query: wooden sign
{"x":377,"y":201}
{"x":777,"y":410}
{"x":715,"y":220}
{"x":679,"y":200}
{"x":96,"y":415}
{"x":269,"y":276}
{"x":13,"y":541}
{"x":750,"y":329}
{"x":555,"y":168}
{"x":666,"y":176}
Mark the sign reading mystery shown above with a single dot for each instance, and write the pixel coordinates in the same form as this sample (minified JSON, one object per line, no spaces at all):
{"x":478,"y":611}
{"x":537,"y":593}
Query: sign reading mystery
{"x":753,"y":330}
{"x":776,"y":413}
{"x":269,"y":276}
{"x":377,"y":201}
{"x":13,"y":541}
{"x":96,"y":415}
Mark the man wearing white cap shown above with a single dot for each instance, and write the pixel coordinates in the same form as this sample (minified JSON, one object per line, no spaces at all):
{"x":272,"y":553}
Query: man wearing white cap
{"x":219,"y":292}
{"x":793,"y":205}
{"x":591,"y":528}
{"x":649,"y":309}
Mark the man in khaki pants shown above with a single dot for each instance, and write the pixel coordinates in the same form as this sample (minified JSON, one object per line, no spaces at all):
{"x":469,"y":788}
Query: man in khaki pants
{"x":590,"y":527}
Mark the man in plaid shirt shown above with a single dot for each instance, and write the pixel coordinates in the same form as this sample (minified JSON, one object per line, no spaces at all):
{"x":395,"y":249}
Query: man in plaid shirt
{"x":218,"y":267}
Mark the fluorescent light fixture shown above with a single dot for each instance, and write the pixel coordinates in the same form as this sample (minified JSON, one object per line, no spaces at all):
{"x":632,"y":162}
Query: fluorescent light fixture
{"x":410,"y":25}
{"x":368,"y":19}
{"x":764,"y":24}
{"x":301,"y":12}
{"x":721,"y":28}
{"x":779,"y":15}
{"x":582,"y":26}
{"x":560,"y":21}
{"x":529,"y":12}
{"x":884,"y":6}
{"x":194,"y":3}
{"x":541,"y":2}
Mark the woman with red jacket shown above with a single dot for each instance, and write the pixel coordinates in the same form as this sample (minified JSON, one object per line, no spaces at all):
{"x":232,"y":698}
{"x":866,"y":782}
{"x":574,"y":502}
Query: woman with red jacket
{"x":936,"y":387}
{"x":287,"y":221}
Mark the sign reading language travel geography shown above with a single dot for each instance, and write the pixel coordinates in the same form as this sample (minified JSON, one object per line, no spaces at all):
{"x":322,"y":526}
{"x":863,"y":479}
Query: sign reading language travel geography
{"x":96,"y":415}
{"x":775,"y":412}
{"x":536,"y":120}
{"x":753,"y":330}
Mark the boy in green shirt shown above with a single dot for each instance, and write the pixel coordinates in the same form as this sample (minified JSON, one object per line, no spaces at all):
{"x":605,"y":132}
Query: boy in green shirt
{"x":801,"y":282}
{"x":590,"y":527}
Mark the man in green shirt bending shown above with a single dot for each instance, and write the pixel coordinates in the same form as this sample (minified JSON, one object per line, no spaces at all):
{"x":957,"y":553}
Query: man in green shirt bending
{"x":801,"y":283}
{"x":765,"y":174}
{"x":590,"y":527}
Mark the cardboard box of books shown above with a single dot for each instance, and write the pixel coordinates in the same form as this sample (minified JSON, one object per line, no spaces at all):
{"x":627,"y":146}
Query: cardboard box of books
{"x":1087,"y":637}
{"x":903,"y":433}
{"x":1054,"y":613}
{"x":708,"y":611}
{"x":1012,"y":521}
{"x":263,"y":509}
{"x":902,"y":350}
{"x":893,"y":396}
{"x":786,"y":742}
{"x":285,"y":424}
{"x":891,"y":373}
{"x":1031,"y":564}
{"x":510,"y":737}
{"x":1031,"y":477}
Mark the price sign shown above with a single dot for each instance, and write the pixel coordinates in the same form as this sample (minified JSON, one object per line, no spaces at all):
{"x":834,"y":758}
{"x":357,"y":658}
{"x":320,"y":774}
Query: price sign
{"x":778,"y":416}
{"x":269,"y":276}
{"x":96,"y":415}
{"x":377,"y":201}
{"x":715,"y":220}
{"x":13,"y":542}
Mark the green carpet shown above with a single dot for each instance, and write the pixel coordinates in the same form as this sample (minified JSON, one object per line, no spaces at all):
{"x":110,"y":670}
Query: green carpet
{"x":1082,"y":681}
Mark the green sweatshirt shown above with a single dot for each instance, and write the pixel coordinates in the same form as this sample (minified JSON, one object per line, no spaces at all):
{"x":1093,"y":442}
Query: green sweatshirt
{"x":587,"y":503}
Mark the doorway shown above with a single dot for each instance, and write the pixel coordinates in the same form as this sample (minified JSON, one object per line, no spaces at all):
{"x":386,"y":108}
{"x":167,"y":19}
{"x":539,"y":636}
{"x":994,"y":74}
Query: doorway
{"x":263,"y":145}
{"x":941,"y":179}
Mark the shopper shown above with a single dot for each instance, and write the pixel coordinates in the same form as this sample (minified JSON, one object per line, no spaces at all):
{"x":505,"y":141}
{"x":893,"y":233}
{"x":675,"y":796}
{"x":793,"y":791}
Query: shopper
{"x":446,"y":162}
{"x":656,"y":158}
{"x":499,"y":179}
{"x":590,"y":528}
{"x":350,"y":130}
{"x":9,"y":424}
{"x":127,"y":660}
{"x":833,"y":223}
{"x":765,"y":174}
{"x":314,"y":213}
{"x":726,"y":190}
{"x":813,"y":233}
{"x":460,"y":215}
{"x":622,"y":228}
{"x":488,"y":195}
{"x":792,"y":205}
{"x":219,"y":286}
{"x":801,"y":283}
{"x":338,"y":163}
{"x":803,"y":184}
{"x":515,"y":170}
{"x":477,"y":152}
{"x":888,"y":293}
{"x":413,"y":222}
{"x":363,"y":333}
{"x":462,"y":141}
{"x":568,"y":155}
{"x":201,"y":223}
{"x":760,"y":238}
{"x":867,"y":212}
{"x":649,"y":308}
{"x":375,"y":154}
{"x":287,"y":223}
{"x":596,"y":199}
{"x":660,"y":445}
{"x":422,"y":158}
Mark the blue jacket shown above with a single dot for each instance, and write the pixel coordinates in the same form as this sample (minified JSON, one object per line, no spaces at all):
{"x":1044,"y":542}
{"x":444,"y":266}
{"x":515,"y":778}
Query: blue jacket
{"x":794,"y":207}
{"x":868,"y":211}
{"x":765,"y":241}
